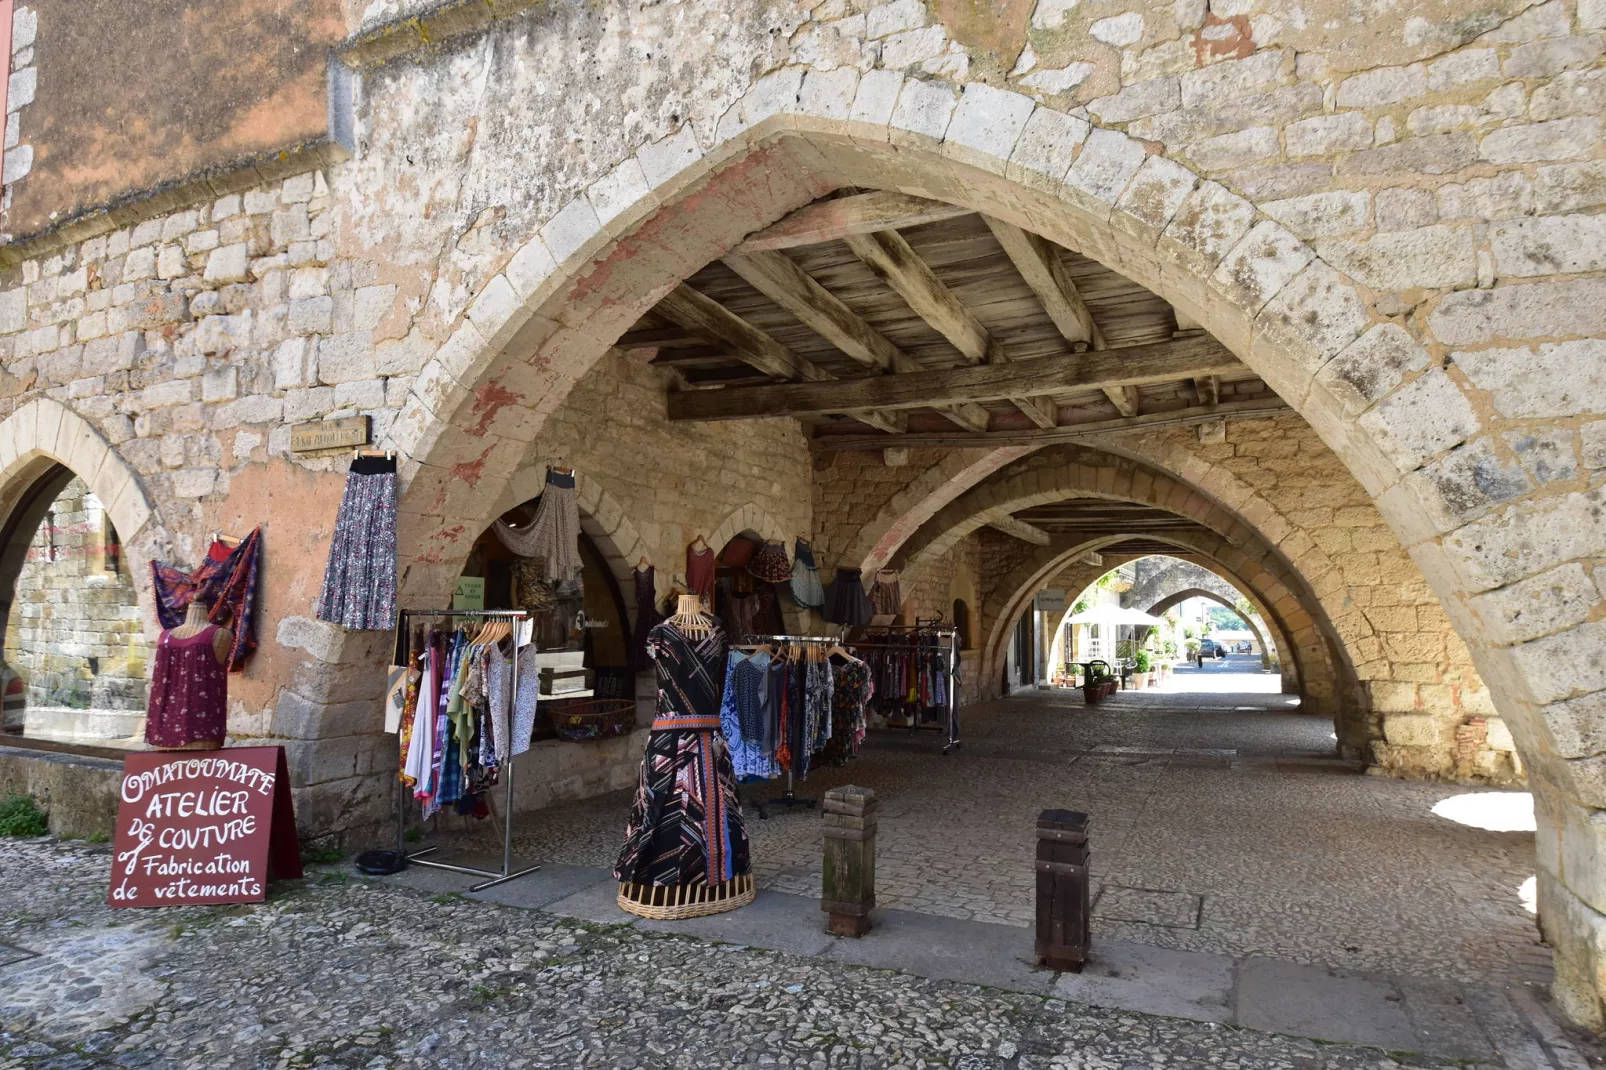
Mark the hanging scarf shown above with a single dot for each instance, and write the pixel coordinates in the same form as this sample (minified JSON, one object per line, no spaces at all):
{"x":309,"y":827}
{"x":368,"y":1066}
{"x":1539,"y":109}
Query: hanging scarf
{"x":226,"y":581}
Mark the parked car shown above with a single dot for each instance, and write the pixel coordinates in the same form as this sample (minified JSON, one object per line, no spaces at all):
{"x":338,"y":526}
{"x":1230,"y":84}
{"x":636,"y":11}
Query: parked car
{"x":1212,"y":649}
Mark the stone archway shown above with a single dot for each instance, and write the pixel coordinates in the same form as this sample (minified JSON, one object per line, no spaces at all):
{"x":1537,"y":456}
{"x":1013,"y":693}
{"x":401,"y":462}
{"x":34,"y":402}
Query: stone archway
{"x":608,"y":254}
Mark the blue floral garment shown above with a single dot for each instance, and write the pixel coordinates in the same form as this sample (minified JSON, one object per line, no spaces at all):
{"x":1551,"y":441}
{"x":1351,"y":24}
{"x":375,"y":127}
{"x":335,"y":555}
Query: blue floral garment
{"x":745,"y":716}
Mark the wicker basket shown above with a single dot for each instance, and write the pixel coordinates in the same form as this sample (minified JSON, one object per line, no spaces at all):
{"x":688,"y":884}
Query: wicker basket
{"x":677,"y":902}
{"x":589,"y":720}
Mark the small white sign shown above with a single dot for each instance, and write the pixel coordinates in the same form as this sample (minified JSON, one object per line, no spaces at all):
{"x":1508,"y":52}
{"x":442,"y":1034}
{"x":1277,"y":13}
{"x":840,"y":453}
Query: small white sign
{"x":1051,"y":600}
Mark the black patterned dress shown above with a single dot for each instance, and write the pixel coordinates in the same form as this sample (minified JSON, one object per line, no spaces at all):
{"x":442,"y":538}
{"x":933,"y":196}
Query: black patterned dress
{"x":685,"y":824}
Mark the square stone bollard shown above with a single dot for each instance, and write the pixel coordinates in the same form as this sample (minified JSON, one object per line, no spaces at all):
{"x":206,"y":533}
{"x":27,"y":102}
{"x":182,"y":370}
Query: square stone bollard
{"x":1063,"y":912}
{"x":847,"y":893}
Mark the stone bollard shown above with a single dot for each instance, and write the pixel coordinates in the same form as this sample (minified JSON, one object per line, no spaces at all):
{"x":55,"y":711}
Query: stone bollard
{"x":1062,"y":890}
{"x":847,"y":894}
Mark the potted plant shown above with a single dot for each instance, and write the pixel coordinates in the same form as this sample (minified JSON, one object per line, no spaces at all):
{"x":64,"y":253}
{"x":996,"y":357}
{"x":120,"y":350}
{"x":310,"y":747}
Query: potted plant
{"x":1141,"y":665}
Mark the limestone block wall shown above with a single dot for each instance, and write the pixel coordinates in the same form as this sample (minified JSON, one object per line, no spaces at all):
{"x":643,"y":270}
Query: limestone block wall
{"x":1418,"y":673}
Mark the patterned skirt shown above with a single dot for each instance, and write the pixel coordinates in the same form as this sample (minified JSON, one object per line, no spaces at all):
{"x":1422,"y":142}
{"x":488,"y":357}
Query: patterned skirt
{"x":685,"y":824}
{"x":359,"y":582}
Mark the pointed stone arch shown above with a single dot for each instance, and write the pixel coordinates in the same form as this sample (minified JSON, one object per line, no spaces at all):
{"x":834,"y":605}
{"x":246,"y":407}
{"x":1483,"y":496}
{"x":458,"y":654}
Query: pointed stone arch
{"x":1214,"y":596}
{"x":1303,"y":327}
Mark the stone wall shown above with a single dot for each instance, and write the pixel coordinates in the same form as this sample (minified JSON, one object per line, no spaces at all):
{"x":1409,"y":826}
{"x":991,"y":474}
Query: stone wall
{"x":73,"y":633}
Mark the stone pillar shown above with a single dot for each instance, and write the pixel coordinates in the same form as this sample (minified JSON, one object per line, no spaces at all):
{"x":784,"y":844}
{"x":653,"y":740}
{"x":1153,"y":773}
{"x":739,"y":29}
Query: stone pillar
{"x":847,"y":894}
{"x":1063,"y":910}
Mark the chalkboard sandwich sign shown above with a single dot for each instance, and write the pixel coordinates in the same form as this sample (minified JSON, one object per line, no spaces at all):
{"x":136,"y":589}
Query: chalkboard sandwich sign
{"x":200,"y":827}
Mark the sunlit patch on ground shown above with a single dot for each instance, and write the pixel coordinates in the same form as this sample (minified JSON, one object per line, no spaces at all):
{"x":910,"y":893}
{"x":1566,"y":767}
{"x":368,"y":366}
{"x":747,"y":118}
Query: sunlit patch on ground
{"x":1494,"y":811}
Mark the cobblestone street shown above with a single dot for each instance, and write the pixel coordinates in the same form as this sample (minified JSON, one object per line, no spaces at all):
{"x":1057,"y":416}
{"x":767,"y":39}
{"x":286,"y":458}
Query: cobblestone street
{"x":1221,"y":823}
{"x":1218,"y":827}
{"x":343,"y":972}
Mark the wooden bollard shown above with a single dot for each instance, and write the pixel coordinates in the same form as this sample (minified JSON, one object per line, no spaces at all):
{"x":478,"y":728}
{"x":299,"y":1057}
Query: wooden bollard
{"x":1063,"y":935}
{"x":847,"y":894}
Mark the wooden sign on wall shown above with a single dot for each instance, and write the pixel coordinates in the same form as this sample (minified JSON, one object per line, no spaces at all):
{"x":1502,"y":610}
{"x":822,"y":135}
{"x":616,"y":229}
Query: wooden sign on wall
{"x":197,"y":827}
{"x":329,"y":434}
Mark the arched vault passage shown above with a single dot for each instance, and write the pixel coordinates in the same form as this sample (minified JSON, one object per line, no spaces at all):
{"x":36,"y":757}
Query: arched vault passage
{"x":599,"y":262}
{"x":1163,"y":605}
{"x":1312,"y":667}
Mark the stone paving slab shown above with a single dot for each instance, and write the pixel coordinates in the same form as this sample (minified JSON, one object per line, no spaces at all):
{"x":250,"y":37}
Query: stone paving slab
{"x":1154,"y":980}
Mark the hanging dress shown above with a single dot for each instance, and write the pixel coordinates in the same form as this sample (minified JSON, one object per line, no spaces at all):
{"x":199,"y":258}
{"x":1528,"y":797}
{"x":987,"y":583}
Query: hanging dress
{"x":189,"y":693}
{"x":647,"y":617}
{"x":700,"y":571}
{"x":686,"y":841}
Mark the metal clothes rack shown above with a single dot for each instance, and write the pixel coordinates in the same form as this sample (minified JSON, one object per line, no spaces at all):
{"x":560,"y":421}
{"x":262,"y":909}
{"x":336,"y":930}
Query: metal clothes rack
{"x":417,"y":858}
{"x":939,"y":629}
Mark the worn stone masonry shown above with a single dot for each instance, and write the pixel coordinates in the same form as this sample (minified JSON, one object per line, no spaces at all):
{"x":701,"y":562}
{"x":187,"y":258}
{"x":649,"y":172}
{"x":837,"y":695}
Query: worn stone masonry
{"x":1390,"y":216}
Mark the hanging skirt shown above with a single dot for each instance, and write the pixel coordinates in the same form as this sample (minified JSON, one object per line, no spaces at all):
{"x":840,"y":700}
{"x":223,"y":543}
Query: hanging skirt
{"x":807,"y":591}
{"x":359,"y":582}
{"x":846,"y":602}
{"x":553,"y":537}
{"x":886,"y":594}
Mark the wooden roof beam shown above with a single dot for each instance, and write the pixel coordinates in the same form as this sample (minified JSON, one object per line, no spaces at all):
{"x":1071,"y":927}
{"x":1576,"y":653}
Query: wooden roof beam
{"x":1022,"y":530}
{"x":1091,"y":431}
{"x":861,"y":213}
{"x":776,"y":276}
{"x":701,"y":314}
{"x":1039,"y":264}
{"x":1155,"y":363}
{"x":895,"y":263}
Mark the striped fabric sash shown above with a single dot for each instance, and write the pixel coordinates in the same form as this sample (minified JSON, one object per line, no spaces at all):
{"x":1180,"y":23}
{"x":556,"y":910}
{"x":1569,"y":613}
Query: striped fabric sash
{"x":686,"y":724}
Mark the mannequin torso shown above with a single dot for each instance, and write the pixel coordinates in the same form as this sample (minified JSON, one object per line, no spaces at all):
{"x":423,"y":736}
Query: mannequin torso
{"x":195,"y":623}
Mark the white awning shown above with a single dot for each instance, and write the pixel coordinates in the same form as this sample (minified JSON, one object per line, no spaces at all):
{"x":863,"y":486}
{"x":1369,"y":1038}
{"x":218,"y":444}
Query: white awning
{"x":1113,"y":615}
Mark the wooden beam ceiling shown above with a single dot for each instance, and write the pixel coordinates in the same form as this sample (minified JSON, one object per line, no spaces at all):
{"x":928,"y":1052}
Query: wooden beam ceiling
{"x":1155,"y":363}
{"x":888,"y":255}
{"x":856,"y":319}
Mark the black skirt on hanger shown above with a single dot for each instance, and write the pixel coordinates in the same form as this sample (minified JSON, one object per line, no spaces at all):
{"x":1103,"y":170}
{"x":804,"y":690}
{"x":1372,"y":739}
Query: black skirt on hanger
{"x":846,"y":602}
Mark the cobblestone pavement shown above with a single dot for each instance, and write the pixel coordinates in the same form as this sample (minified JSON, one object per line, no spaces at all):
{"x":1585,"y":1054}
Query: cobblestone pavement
{"x":1220,"y":823}
{"x":342,"y":972}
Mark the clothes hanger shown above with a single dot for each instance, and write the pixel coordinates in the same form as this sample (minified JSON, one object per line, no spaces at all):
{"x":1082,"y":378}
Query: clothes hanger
{"x":700,"y":541}
{"x":643,"y":564}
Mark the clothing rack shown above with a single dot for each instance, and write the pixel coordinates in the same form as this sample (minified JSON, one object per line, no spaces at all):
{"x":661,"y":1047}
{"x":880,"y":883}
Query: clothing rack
{"x":788,"y":798}
{"x":939,"y":629}
{"x":507,"y":872}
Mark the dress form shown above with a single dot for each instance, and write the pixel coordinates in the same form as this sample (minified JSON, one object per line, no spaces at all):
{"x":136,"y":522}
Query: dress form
{"x":195,"y":622}
{"x":690,"y":619}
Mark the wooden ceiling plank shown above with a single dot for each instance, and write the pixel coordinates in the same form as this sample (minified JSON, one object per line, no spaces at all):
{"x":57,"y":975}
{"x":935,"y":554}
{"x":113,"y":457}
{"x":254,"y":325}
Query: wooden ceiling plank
{"x":774,"y":275}
{"x":703,"y":315}
{"x":778,"y":277}
{"x":862,"y":213}
{"x":1158,"y":362}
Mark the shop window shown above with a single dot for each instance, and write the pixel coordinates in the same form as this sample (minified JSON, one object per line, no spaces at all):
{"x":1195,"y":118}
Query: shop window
{"x":581,"y":629}
{"x":74,"y":651}
{"x":961,"y":614}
